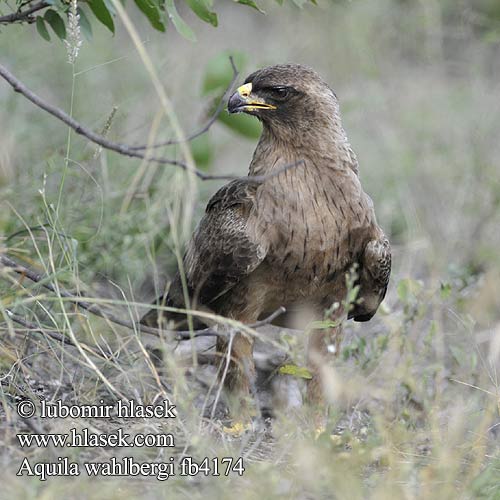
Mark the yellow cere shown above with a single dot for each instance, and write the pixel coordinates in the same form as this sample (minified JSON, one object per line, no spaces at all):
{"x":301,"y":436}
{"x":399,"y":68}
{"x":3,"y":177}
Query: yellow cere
{"x":255,"y":103}
{"x":245,"y":90}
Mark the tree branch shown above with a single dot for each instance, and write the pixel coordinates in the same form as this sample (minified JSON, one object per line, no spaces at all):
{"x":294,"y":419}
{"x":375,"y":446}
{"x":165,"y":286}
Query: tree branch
{"x":98,"y":311}
{"x":23,"y":15}
{"x":48,"y":332}
{"x":209,"y":123}
{"x":80,"y":129}
{"x":125,"y":149}
{"x":94,"y":308}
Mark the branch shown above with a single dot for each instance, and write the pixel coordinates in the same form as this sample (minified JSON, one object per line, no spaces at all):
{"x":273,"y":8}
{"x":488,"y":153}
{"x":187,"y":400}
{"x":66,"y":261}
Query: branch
{"x":92,"y":308}
{"x":98,"y":311}
{"x":23,"y":15}
{"x":95,"y":308}
{"x":124,"y":149}
{"x":209,"y":123}
{"x":80,"y":129}
{"x":50,"y":333}
{"x":267,"y":321}
{"x":265,"y":360}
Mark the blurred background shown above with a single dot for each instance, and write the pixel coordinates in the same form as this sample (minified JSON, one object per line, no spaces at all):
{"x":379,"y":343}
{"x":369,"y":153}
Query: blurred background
{"x":419,"y":90}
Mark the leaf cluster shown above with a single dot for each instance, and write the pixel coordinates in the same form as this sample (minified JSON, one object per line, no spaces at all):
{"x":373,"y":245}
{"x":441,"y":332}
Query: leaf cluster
{"x":51,"y":15}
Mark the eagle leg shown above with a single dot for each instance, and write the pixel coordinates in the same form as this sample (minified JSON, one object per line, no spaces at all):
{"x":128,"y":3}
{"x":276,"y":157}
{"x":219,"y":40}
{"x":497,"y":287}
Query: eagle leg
{"x":239,"y":377}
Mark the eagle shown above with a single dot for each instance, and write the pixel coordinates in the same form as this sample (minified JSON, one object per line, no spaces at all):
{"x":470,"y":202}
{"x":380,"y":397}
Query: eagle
{"x":289,"y":233}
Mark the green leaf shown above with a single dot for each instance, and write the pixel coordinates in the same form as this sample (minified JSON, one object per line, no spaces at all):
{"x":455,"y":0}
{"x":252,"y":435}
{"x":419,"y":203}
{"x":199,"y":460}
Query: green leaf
{"x":245,"y":125}
{"x":179,"y":24}
{"x":218,"y":75}
{"x":109,"y":5}
{"x":42,"y":29}
{"x":296,"y":371}
{"x":56,"y":23}
{"x":219,"y":72}
{"x":152,"y":11}
{"x":299,"y":3}
{"x":322,"y":325}
{"x":250,"y":3}
{"x":102,"y":13}
{"x":202,"y":9}
{"x":85,"y":24}
{"x":202,"y":151}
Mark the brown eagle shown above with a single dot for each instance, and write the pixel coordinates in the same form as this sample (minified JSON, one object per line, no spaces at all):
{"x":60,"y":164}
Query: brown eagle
{"x":288,"y":239}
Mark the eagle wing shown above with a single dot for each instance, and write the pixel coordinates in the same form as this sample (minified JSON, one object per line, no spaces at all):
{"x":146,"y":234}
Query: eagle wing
{"x":222,"y":251}
{"x":374,"y":277}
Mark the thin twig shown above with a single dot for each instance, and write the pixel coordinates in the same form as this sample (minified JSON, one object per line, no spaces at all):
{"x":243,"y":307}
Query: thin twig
{"x":266,"y":321}
{"x":92,"y":308}
{"x":107,"y":315}
{"x":123,"y":149}
{"x":23,"y":15}
{"x":53,"y":334}
{"x":80,"y":129}
{"x":210,"y":122}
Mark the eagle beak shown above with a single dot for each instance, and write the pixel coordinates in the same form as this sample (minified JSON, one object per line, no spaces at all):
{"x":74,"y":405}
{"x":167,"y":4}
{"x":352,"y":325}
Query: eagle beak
{"x":243,"y":101}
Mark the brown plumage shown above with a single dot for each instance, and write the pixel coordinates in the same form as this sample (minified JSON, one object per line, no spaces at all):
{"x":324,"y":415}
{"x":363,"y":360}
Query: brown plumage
{"x":290,"y":239}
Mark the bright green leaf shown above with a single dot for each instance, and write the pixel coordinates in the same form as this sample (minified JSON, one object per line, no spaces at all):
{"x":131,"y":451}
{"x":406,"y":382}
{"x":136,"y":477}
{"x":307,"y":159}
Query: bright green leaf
{"x":152,"y":11}
{"x":250,"y":3}
{"x":42,"y":29}
{"x":202,"y":9}
{"x":56,"y":23}
{"x":179,"y":24}
{"x":109,"y":5}
{"x":245,"y":125}
{"x":102,"y":13}
{"x":296,"y":371}
{"x":322,"y":325}
{"x":202,"y":151}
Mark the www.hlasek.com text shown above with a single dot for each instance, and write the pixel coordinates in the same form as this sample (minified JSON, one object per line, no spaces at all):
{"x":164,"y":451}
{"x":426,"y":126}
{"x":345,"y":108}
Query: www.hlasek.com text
{"x":84,"y":438}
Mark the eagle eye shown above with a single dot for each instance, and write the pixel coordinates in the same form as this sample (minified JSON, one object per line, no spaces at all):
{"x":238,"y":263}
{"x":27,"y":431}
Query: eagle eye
{"x":280,"y":92}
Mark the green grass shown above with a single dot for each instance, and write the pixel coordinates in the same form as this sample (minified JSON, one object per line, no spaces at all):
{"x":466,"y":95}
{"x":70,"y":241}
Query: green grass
{"x":415,"y":392}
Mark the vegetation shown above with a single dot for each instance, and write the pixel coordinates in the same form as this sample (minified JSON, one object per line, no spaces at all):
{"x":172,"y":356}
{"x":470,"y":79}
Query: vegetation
{"x":415,"y":393}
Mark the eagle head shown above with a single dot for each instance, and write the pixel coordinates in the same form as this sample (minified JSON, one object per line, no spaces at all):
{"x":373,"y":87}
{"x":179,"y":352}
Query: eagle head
{"x":286,"y":95}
